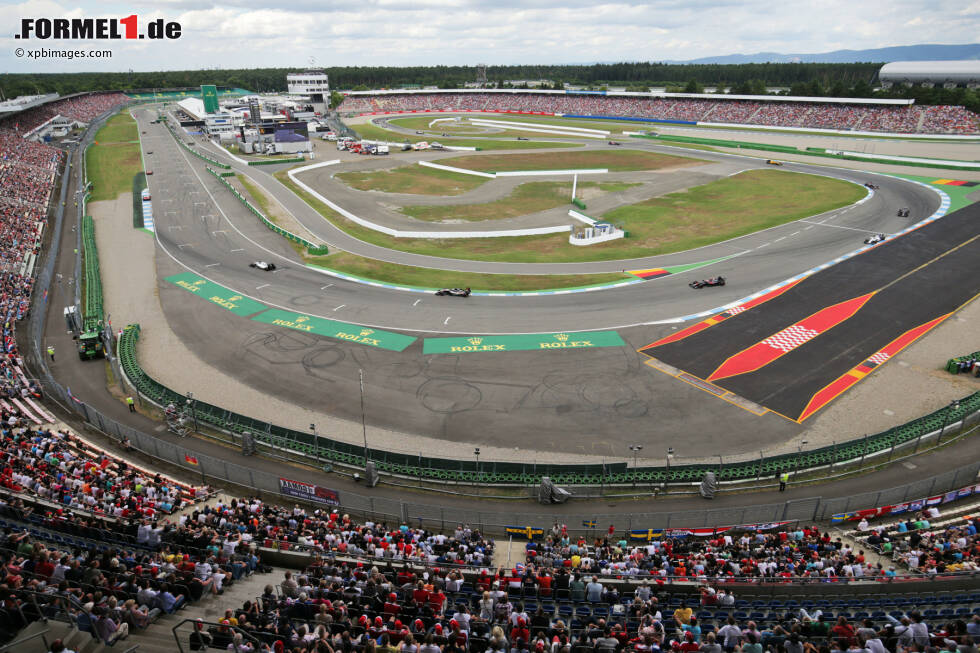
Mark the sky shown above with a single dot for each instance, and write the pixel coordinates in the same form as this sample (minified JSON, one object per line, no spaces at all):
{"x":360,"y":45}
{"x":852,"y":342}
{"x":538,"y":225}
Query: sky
{"x":260,"y":33}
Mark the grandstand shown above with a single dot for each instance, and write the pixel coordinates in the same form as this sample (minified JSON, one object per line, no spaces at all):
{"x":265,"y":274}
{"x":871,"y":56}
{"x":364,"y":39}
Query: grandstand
{"x":805,"y":113}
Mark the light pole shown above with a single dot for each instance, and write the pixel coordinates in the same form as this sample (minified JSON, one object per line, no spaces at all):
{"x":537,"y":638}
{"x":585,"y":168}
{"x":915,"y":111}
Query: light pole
{"x":360,"y":373}
{"x":670,"y":454}
{"x":636,"y":449}
{"x":953,"y":405}
{"x":799,"y":455}
{"x":316,"y":444}
{"x":476,"y":452}
{"x":190,"y":406}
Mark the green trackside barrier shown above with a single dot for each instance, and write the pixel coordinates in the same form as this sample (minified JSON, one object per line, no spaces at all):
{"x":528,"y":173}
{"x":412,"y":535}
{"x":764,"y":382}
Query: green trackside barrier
{"x":92,"y":311}
{"x":579,"y":203}
{"x":139,"y":183}
{"x":271,"y":163}
{"x":512,"y":473}
{"x":193,"y":151}
{"x":227,"y":174}
{"x":311,"y":248}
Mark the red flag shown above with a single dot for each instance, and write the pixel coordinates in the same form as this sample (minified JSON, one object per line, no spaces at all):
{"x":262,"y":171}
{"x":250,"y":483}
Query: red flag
{"x":190,"y":459}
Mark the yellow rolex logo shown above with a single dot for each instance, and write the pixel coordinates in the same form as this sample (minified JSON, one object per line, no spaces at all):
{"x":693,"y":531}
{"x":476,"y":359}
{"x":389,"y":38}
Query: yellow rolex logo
{"x":562,"y":337}
{"x":235,"y":298}
{"x":366,"y":332}
{"x":199,"y":282}
{"x":474,"y":341}
{"x":302,"y":318}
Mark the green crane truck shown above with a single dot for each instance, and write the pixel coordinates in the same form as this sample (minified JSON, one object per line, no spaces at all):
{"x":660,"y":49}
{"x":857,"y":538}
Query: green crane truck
{"x":86,"y":334}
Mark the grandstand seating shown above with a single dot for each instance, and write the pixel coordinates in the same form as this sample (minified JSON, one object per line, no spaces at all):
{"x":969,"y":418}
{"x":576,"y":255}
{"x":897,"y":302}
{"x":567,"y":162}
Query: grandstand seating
{"x":885,"y":118}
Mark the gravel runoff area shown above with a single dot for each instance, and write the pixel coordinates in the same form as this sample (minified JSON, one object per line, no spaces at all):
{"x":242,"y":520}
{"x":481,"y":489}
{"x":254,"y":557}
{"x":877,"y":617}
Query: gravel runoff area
{"x":910,"y":385}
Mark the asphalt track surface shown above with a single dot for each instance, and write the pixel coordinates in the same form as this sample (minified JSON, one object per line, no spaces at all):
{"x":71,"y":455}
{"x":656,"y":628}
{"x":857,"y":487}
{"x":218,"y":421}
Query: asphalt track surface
{"x":594,"y":401}
{"x":201,"y":225}
{"x":914,"y":280}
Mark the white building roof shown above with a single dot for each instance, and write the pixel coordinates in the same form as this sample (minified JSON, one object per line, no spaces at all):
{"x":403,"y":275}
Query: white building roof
{"x":960,"y":72}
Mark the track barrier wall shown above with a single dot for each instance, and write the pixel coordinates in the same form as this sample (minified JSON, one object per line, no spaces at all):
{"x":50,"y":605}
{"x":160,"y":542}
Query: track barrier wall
{"x":313,"y":248}
{"x":935,"y":426}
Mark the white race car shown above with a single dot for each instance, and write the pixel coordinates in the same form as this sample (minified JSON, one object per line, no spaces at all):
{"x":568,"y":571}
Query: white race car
{"x":262,"y":265}
{"x":874,"y":239}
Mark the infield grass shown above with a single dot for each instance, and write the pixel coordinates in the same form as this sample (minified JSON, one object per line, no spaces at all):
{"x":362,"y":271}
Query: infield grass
{"x":407,"y":275}
{"x":613,"y":160}
{"x":375,"y":133}
{"x":414,"y":179}
{"x":719,"y":210}
{"x":112,"y":163}
{"x":526,"y":198}
{"x":121,"y":128}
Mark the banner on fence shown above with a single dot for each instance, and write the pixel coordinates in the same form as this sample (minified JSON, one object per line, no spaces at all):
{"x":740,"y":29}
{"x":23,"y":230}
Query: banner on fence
{"x":910,"y":506}
{"x":309,"y":492}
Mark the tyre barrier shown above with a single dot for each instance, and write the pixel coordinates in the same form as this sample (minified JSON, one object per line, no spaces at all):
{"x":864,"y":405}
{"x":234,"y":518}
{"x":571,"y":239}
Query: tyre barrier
{"x":441,"y":470}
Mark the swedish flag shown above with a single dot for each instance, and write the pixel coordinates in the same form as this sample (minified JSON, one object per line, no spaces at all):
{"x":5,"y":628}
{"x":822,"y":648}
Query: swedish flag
{"x":646,"y":534}
{"x":842,"y":517}
{"x":589,"y":523}
{"x":527,"y":532}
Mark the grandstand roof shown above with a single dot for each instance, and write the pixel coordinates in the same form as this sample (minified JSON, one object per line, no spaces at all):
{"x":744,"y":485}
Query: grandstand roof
{"x":25,"y":102}
{"x":937,"y":72}
{"x":703,"y":96}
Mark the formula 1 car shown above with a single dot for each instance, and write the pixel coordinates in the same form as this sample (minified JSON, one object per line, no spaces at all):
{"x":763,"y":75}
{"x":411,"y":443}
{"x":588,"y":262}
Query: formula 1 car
{"x":262,"y":265}
{"x":713,"y":281}
{"x":522,"y":138}
{"x":615,"y":143}
{"x":874,"y":239}
{"x":872,"y":186}
{"x":903,"y":212}
{"x":773,"y":162}
{"x":453,"y":292}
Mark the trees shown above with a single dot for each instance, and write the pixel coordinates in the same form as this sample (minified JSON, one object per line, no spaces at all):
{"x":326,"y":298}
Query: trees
{"x":693,"y":86}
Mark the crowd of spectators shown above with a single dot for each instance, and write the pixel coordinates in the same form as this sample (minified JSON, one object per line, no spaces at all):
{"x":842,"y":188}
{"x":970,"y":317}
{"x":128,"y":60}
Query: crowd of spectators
{"x":566,"y":563}
{"x":916,"y":544}
{"x":339,"y":607}
{"x":905,"y":119}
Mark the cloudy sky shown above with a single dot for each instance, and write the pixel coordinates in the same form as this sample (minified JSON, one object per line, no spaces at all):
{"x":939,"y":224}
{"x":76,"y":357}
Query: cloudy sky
{"x":261,"y":33}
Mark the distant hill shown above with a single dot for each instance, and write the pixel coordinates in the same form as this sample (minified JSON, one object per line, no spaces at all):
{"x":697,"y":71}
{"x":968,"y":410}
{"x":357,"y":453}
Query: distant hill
{"x":922,"y":52}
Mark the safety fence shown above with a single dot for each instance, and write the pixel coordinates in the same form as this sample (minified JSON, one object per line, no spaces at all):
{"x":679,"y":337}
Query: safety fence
{"x":270,"y":162}
{"x":313,"y":248}
{"x":960,"y":414}
{"x":139,"y":183}
{"x":203,"y":157}
{"x":93,"y":310}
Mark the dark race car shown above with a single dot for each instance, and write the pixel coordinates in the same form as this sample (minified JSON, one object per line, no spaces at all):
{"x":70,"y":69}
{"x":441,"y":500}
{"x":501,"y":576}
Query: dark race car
{"x":872,"y":186}
{"x":903,"y":212}
{"x":713,"y":281}
{"x":262,"y":265}
{"x":874,"y":239}
{"x":453,"y":292}
{"x":615,"y":143}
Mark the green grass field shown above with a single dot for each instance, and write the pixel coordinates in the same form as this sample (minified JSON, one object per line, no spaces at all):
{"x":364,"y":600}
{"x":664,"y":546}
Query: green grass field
{"x":375,"y":133}
{"x":526,"y":198}
{"x":414,"y":179}
{"x":120,"y":128}
{"x":756,"y":199}
{"x":408,"y":275}
{"x":613,"y":160}
{"x":730,"y":207}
